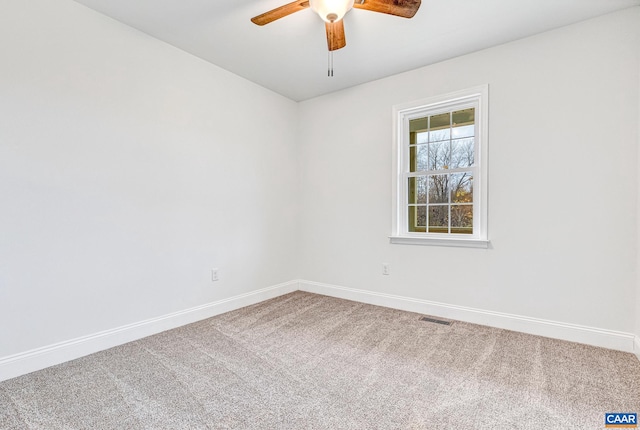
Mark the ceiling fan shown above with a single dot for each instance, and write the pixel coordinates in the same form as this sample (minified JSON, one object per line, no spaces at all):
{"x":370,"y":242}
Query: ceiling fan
{"x":332,"y":12}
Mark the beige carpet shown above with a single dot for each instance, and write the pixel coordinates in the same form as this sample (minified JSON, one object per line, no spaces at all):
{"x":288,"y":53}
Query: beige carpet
{"x":304,"y":361}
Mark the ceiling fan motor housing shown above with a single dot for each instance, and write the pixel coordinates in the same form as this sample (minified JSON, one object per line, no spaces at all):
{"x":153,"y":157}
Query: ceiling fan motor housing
{"x":331,"y":10}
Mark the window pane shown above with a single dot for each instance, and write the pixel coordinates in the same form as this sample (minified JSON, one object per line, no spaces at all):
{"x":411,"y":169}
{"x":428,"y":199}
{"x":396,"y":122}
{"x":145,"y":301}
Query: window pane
{"x":463,"y":123}
{"x":461,"y":185}
{"x":418,"y":190}
{"x":419,"y":124}
{"x":440,"y":135}
{"x":439,"y":155}
{"x":418,"y":158}
{"x":462,"y":153}
{"x":439,"y":219}
{"x":440,"y":127}
{"x":417,"y":218}
{"x":462,"y":219}
{"x":458,"y":132}
{"x":422,"y":137}
{"x":438,"y":189}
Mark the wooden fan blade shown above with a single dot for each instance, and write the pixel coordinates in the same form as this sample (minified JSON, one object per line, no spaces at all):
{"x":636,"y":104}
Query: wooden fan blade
{"x":335,"y":35}
{"x":280,"y":12}
{"x":403,"y":8}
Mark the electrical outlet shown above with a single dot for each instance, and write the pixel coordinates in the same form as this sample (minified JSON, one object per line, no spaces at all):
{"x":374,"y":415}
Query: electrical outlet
{"x":214,"y":275}
{"x":385,"y":268}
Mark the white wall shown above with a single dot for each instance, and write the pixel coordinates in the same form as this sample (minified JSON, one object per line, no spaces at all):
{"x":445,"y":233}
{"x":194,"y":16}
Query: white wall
{"x":128,"y":169}
{"x":562,"y":175}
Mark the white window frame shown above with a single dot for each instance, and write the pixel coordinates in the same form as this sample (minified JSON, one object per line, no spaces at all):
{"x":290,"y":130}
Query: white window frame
{"x":477,"y":97}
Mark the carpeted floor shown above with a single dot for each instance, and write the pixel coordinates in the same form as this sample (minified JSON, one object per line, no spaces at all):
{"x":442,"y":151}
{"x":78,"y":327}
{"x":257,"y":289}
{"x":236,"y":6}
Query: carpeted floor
{"x":305,"y":361}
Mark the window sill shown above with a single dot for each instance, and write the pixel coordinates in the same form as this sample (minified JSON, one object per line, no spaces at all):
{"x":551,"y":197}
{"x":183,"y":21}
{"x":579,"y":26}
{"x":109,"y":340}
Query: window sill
{"x":432,"y":241}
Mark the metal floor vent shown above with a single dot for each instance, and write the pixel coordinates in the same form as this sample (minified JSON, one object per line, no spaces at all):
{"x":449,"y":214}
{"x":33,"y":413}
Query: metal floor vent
{"x":433,"y":320}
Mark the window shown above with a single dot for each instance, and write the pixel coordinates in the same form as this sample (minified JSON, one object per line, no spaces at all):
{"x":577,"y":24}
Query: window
{"x":440,"y":179}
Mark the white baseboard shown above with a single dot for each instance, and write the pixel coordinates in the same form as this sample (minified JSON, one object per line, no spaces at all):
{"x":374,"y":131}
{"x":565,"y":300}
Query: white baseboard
{"x":558,"y":330}
{"x":40,"y":358}
{"x":36,"y":359}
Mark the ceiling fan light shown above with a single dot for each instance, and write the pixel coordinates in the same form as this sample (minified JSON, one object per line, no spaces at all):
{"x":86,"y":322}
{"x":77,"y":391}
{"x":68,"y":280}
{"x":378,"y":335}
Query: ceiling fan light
{"x":331,"y":10}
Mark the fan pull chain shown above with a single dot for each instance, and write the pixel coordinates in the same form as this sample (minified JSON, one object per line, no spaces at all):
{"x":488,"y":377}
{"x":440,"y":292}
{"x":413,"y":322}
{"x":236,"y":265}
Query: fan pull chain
{"x":330,"y":67}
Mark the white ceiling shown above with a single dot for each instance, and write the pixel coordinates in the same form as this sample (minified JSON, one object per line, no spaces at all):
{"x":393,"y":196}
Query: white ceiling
{"x":289,"y":56}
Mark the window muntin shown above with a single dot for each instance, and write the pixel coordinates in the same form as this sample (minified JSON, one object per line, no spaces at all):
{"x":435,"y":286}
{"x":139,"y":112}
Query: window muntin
{"x":440,"y":179}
